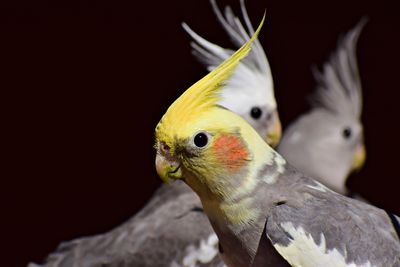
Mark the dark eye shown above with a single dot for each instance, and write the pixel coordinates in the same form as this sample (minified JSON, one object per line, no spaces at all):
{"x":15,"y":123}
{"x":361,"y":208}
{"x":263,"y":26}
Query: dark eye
{"x":346,"y":133}
{"x":255,"y":112}
{"x":200,"y":140}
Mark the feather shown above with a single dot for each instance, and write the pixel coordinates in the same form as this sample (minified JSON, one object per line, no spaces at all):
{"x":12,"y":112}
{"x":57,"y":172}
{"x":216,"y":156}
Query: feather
{"x":205,"y":93}
{"x":254,"y":69}
{"x":339,"y":84}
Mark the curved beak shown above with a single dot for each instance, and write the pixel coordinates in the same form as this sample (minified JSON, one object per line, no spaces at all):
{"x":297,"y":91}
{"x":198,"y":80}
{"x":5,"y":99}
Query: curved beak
{"x":275,"y":131}
{"x":359,"y":157}
{"x":168,"y":169}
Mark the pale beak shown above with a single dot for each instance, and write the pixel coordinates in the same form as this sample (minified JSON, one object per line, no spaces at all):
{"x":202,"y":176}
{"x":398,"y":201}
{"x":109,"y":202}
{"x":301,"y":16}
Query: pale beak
{"x":359,"y":157}
{"x":274,"y":132}
{"x":168,"y":169}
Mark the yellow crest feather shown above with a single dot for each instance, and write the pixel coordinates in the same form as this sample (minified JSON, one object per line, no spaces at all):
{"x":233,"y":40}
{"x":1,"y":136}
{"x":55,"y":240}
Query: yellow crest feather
{"x":204,"y":94}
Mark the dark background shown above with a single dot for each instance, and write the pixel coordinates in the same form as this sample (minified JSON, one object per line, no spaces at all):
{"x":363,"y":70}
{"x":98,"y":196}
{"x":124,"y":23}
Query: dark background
{"x":85,"y":82}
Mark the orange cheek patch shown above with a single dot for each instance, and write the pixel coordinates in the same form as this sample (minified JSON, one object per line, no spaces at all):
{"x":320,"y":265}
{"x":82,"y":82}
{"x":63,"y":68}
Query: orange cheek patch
{"x":230,"y":151}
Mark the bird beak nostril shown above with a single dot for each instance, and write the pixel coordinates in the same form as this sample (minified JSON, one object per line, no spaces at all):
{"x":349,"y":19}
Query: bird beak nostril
{"x":164,"y":148}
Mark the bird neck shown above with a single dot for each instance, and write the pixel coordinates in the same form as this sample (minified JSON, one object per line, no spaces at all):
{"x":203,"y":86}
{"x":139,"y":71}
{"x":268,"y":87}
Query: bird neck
{"x":239,"y":216}
{"x":237,"y":200}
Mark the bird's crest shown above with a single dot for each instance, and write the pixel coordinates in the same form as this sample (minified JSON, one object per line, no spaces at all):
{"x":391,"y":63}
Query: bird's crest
{"x":253,"y":74}
{"x":339,"y":85}
{"x":204,"y":94}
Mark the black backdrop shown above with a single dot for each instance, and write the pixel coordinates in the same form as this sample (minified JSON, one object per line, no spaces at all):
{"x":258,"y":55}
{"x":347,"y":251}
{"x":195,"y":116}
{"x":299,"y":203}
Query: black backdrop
{"x":84,"y":83}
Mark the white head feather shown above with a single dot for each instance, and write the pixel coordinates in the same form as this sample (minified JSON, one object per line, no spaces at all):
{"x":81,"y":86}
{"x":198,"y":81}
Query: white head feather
{"x":251,"y":85}
{"x":339,"y":88}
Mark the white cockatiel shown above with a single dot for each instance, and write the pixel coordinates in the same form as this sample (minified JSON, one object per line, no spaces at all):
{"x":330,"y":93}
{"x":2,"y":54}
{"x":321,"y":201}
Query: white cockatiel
{"x":172,"y":230}
{"x":327,"y":142}
{"x":250,"y":90}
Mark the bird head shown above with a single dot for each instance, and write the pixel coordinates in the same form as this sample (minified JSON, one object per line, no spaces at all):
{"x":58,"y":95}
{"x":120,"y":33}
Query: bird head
{"x":199,"y":141}
{"x":325,"y":146}
{"x":340,"y":92}
{"x":249,"y":91}
{"x":250,"y":99}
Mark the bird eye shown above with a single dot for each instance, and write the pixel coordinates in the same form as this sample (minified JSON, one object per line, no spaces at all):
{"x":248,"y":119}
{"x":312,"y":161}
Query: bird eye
{"x":346,"y":133}
{"x":255,"y":112}
{"x":200,"y":140}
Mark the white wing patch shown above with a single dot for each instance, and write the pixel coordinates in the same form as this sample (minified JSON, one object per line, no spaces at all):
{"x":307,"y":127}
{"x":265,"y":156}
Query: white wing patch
{"x":319,"y":187}
{"x":304,"y":252}
{"x":280,"y":164}
{"x":205,"y":253}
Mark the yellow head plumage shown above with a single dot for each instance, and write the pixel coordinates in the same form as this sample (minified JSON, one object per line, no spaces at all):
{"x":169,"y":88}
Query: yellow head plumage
{"x":203,"y":95}
{"x":196,"y":116}
{"x":213,"y":150}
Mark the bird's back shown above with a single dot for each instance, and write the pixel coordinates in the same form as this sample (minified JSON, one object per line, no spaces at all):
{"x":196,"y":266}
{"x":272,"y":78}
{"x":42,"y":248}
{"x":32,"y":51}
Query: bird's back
{"x":171,"y":230}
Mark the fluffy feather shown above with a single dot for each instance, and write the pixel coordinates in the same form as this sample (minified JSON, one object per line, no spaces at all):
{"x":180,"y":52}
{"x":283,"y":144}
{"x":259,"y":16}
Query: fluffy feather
{"x":201,"y":96}
{"x":250,"y":85}
{"x":339,"y":88}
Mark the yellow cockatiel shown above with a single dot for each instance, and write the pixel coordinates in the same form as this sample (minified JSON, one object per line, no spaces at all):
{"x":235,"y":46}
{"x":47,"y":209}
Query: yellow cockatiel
{"x":264,"y":212}
{"x":171,"y":229}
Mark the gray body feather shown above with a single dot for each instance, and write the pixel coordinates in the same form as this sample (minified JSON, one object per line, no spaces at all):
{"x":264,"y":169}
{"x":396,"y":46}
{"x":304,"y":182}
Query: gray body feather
{"x":307,"y":224}
{"x":360,"y":234}
{"x":167,"y":230}
{"x":322,"y":143}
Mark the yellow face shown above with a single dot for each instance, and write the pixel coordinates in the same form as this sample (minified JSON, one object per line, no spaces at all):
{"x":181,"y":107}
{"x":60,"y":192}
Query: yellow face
{"x":196,"y":139}
{"x":207,"y":147}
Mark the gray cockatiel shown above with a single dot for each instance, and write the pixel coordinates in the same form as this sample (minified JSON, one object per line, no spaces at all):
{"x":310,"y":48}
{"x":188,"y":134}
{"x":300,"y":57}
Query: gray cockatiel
{"x":264,"y":212}
{"x":172,"y":230}
{"x":327,"y":142}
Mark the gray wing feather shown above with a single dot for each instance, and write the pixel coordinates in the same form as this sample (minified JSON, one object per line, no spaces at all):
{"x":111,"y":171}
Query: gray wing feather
{"x":361,"y":233}
{"x":339,"y":87}
{"x":166,"y":232}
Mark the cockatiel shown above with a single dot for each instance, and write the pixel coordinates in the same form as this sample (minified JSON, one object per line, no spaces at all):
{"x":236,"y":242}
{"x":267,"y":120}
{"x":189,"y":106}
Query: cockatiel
{"x":327,"y":142}
{"x":250,"y":90}
{"x":172,"y":230}
{"x":264,"y":212}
